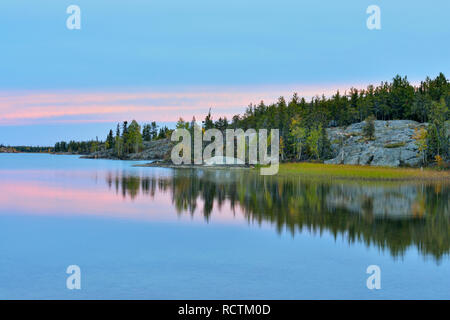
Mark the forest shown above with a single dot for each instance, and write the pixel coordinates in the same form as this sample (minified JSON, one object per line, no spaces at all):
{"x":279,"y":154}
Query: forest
{"x":303,"y":123}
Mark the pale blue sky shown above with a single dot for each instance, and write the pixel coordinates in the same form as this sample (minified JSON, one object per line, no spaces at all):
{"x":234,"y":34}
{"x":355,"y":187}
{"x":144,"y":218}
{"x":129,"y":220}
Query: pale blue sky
{"x":165,"y":45}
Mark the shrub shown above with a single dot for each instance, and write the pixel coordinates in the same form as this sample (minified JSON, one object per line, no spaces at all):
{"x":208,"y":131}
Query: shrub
{"x":369,"y":128}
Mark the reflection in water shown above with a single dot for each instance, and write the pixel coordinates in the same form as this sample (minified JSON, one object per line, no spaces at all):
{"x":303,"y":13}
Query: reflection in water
{"x":389,"y":215}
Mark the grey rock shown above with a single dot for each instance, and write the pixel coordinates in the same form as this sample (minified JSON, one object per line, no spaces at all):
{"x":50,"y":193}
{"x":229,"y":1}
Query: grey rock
{"x":393,"y":145}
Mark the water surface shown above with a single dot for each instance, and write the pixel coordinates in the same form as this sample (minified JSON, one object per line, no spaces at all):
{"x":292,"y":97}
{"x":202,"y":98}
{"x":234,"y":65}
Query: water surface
{"x":154,"y":233}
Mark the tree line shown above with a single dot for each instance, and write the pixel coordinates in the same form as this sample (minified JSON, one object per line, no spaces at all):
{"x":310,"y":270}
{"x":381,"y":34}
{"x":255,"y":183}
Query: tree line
{"x":31,"y":149}
{"x":128,"y":138}
{"x":303,"y":124}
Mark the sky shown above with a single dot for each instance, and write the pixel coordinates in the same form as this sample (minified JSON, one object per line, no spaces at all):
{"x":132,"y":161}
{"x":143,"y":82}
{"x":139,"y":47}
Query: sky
{"x":159,"y":60}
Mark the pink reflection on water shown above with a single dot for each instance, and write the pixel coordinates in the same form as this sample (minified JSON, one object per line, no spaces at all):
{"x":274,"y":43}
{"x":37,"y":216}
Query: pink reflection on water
{"x":84,"y":193}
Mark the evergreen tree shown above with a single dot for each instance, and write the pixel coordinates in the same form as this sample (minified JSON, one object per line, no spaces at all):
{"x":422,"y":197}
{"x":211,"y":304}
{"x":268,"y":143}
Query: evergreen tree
{"x":146,"y":132}
{"x":153,"y":130}
{"x":118,"y":143}
{"x":324,"y":145}
{"x":433,"y":143}
{"x":439,"y":140}
{"x":208,"y":123}
{"x":125,"y":143}
{"x":181,"y":124}
{"x":110,"y":140}
{"x":369,"y":128}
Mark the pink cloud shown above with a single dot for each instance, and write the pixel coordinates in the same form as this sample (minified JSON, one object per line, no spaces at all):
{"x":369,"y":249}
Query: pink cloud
{"x":32,"y":107}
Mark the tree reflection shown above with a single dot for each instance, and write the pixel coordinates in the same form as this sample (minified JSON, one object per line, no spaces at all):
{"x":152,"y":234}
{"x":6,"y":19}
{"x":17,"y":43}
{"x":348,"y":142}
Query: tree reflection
{"x":390,"y":215}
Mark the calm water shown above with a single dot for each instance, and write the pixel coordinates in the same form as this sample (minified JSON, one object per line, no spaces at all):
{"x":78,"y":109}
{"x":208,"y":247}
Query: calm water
{"x":153,"y":233}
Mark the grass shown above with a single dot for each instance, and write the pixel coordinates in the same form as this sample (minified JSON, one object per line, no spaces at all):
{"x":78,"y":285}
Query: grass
{"x":332,"y":171}
{"x":395,"y":145}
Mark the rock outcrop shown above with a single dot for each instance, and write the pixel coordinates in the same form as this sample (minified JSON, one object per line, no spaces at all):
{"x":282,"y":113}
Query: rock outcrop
{"x":393,"y":145}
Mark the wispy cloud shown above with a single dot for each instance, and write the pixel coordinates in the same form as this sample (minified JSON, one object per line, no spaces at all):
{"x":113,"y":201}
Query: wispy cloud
{"x":31,"y":107}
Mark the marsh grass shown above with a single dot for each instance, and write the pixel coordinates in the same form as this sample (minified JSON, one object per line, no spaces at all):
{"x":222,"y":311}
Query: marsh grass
{"x":332,"y":171}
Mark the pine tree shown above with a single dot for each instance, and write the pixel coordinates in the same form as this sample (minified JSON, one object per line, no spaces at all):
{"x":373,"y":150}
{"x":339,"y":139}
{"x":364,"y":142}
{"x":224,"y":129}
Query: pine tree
{"x":181,"y":124}
{"x":208,"y":123}
{"x":146,"y":132}
{"x":110,"y":140}
{"x":324,"y":145}
{"x":154,"y":130}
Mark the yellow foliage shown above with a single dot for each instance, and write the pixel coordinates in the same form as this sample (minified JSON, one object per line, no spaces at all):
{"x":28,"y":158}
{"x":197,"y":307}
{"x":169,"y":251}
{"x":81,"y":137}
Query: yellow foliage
{"x":439,"y":161}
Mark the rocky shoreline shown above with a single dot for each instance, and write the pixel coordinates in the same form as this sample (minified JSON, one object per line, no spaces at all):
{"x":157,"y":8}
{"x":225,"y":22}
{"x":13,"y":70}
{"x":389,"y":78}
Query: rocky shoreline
{"x":152,"y":150}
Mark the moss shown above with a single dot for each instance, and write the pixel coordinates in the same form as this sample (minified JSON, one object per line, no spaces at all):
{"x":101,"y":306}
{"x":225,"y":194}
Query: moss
{"x":394,"y":145}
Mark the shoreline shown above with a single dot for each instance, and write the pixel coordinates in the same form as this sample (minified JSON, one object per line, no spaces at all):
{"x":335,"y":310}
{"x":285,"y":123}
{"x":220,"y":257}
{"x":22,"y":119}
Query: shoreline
{"x":308,"y":170}
{"x":330,"y":171}
{"x":157,"y":164}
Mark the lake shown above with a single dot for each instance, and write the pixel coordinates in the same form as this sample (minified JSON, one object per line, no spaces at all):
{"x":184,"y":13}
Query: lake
{"x":157,"y":233}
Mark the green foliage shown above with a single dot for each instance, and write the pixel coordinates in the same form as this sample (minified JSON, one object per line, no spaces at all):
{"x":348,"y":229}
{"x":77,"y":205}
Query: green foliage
{"x":298,"y":134}
{"x":312,"y":143}
{"x":420,"y":137}
{"x":134,"y":137}
{"x":324,"y":145}
{"x":32,"y":149}
{"x":388,"y":101}
{"x":438,"y":141}
{"x":164,"y":133}
{"x":433,"y":146}
{"x":118,"y":142}
{"x":78,"y":147}
{"x":208,"y":123}
{"x":369,"y":128}
{"x":181,"y":124}
{"x":147,"y":132}
{"x":221,"y":124}
{"x":303,"y":124}
{"x":110,"y":140}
